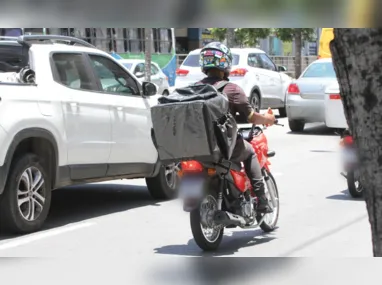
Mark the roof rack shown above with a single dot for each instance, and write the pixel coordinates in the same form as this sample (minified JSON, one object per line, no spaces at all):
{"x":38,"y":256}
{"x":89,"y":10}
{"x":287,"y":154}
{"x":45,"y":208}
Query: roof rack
{"x":25,"y":38}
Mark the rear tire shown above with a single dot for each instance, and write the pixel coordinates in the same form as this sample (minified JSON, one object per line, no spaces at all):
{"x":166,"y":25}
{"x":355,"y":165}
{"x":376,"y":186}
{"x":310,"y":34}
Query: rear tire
{"x":160,"y":187}
{"x":27,"y":192}
{"x":166,"y":93}
{"x":255,"y":101}
{"x":197,"y":232}
{"x":296,"y":126}
{"x":271,"y":226}
{"x":356,"y":191}
{"x":282,"y":112}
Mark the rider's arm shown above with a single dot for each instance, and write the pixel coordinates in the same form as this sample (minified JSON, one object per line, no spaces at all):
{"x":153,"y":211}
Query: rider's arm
{"x":242,"y":104}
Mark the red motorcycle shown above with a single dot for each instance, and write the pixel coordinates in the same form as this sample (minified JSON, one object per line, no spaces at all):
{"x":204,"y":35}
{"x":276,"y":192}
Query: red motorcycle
{"x":351,"y":165}
{"x":220,"y":196}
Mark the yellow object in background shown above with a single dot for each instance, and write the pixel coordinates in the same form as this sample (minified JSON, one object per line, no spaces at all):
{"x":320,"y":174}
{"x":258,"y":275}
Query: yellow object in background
{"x":326,"y":37}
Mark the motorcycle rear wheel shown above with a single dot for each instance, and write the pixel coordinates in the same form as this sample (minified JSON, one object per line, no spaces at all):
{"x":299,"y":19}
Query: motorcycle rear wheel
{"x":354,"y":185}
{"x":201,"y":222}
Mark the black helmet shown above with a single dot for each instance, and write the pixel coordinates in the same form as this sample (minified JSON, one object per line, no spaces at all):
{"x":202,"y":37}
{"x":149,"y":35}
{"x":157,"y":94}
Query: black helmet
{"x":216,"y":55}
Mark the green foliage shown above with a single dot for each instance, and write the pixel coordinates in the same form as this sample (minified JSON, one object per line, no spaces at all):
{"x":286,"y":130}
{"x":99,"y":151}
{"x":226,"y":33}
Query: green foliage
{"x":244,"y":36}
{"x":287,"y":34}
{"x":219,"y":33}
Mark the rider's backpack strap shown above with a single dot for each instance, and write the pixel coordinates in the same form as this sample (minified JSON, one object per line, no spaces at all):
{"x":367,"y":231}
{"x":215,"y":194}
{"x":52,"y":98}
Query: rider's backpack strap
{"x":220,"y":86}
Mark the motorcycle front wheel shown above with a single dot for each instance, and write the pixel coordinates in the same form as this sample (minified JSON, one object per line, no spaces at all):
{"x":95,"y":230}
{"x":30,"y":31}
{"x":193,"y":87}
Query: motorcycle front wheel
{"x":270,"y":221}
{"x":207,"y":235}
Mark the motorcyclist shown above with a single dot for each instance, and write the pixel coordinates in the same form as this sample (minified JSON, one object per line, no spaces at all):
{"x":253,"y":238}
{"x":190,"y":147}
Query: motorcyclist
{"x":216,"y":62}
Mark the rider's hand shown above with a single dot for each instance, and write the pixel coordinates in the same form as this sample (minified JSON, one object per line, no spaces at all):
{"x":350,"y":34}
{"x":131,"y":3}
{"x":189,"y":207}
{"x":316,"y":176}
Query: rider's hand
{"x":269,"y":117}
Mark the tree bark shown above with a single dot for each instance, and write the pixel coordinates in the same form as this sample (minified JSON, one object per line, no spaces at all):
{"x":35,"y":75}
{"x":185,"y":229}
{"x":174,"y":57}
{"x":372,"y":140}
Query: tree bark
{"x":357,"y":58}
{"x":297,"y":57}
{"x":148,"y":49}
{"x":230,"y":37}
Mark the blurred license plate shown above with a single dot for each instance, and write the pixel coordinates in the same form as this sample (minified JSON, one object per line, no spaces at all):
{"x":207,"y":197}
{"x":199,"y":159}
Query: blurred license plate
{"x":349,"y":156}
{"x":191,"y":188}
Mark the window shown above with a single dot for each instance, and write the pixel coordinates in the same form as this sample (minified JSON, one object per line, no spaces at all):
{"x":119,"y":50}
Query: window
{"x":128,"y":65}
{"x":254,"y":60}
{"x":139,"y":68}
{"x":267,"y":62}
{"x":112,"y":77}
{"x":154,"y":70}
{"x":192,"y":60}
{"x":320,"y":70}
{"x":71,"y":71}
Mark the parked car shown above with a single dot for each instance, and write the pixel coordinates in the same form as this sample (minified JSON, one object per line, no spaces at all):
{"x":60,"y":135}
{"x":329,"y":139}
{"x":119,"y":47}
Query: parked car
{"x":72,"y":115}
{"x":306,"y":95}
{"x":137,"y":66}
{"x":264,"y":82}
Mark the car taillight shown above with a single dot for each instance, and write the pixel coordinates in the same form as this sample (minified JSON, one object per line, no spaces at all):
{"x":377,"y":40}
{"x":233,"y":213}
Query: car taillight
{"x":335,"y":97}
{"x":293,"y":89}
{"x":348,"y":140}
{"x":191,"y":166}
{"x":239,"y":72}
{"x":182,"y":72}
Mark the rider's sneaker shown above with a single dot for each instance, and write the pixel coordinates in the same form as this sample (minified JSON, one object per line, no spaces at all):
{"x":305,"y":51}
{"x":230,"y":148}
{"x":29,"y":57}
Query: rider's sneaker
{"x":263,"y":205}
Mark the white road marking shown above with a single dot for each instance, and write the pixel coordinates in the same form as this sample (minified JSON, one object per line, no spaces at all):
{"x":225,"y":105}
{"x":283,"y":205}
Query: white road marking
{"x":45,"y":234}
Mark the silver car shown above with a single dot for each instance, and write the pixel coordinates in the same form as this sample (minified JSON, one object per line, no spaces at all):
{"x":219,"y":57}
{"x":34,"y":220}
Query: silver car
{"x":305,"y":96}
{"x":137,"y":66}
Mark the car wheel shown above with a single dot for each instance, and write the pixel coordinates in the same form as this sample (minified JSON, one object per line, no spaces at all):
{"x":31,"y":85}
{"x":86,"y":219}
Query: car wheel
{"x":25,"y":203}
{"x":296,"y":126}
{"x":164,"y":186}
{"x":282,"y":112}
{"x":255,"y":101}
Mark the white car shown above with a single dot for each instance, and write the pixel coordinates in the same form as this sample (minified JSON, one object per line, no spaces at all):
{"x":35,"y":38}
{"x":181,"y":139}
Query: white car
{"x":264,"y":82}
{"x":137,"y":66}
{"x":73,"y":114}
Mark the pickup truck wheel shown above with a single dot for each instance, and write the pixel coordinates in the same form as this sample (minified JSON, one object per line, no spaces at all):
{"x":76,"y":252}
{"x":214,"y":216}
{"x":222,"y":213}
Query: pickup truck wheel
{"x":165,"y":185}
{"x":25,"y":203}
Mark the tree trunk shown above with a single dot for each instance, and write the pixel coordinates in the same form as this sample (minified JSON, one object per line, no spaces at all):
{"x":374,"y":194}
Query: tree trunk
{"x":148,"y":47}
{"x":230,"y":37}
{"x":357,"y":58}
{"x":297,"y":58}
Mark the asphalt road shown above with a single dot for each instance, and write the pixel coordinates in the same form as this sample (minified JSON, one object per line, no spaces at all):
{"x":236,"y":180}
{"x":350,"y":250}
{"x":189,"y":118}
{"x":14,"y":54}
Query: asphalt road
{"x":120,"y":219}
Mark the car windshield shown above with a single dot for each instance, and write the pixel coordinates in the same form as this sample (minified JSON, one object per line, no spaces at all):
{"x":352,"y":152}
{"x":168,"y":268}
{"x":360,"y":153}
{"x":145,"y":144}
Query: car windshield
{"x":192,"y":60}
{"x":128,"y":65}
{"x":320,"y":70}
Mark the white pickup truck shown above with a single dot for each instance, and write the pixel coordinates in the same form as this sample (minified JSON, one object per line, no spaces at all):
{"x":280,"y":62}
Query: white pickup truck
{"x":70,"y":114}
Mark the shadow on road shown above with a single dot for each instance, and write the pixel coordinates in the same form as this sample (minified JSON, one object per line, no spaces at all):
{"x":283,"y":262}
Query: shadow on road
{"x":320,"y":130}
{"x":344,"y":196}
{"x":79,"y":203}
{"x":229,"y":246}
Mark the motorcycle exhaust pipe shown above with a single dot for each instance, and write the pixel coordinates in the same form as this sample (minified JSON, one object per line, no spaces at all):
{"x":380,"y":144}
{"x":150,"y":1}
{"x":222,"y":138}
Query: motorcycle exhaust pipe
{"x":229,"y":219}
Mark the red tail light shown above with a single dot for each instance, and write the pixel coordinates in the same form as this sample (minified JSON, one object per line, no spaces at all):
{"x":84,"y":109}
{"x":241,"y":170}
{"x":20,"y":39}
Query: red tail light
{"x":182,"y":72}
{"x":239,"y":72}
{"x":293,"y":89}
{"x":335,"y":97}
{"x":191,"y":166}
{"x":348,"y":140}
